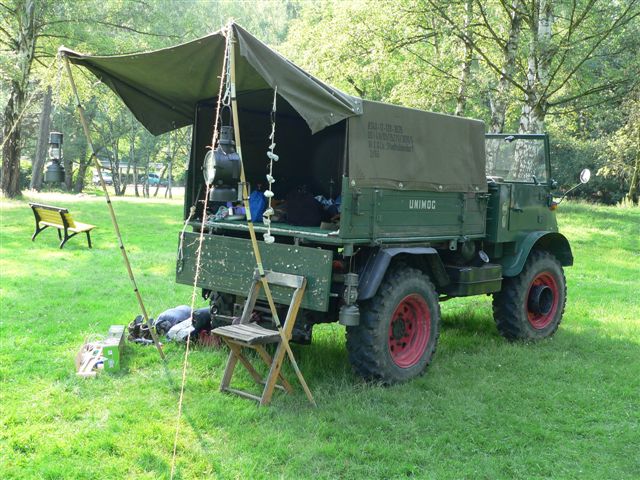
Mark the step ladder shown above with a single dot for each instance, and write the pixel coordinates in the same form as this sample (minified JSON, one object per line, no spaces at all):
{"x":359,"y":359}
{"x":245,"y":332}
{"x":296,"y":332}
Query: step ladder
{"x":246,"y":335}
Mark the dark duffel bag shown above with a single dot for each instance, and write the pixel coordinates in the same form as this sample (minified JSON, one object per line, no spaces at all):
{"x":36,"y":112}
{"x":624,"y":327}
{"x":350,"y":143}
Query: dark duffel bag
{"x":303,"y":210}
{"x":171,"y":317}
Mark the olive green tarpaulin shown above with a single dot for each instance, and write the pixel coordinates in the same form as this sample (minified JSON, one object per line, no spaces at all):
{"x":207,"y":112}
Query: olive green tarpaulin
{"x":162,"y":87}
{"x":407,"y":149}
{"x":387,"y":146}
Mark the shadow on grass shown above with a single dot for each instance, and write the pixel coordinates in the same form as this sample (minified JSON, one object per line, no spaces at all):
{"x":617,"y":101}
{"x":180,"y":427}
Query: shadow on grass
{"x":570,"y":378}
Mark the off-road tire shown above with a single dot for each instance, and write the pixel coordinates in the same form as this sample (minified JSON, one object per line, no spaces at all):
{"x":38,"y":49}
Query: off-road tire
{"x":370,"y":343}
{"x":511,"y":310}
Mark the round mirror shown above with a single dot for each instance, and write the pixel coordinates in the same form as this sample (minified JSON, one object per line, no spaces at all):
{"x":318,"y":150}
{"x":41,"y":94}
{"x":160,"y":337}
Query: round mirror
{"x":585,"y":175}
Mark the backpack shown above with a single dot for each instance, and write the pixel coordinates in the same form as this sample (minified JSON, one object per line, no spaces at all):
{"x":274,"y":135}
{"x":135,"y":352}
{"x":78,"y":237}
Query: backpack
{"x":257,"y":205}
{"x":303,"y":210}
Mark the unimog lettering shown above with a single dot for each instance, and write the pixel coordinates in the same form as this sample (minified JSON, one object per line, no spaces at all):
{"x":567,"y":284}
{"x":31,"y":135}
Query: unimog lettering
{"x":422,"y":204}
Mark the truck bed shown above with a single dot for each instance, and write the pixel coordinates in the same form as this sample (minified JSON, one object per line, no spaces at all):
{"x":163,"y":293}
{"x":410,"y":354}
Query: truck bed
{"x":307,"y":233}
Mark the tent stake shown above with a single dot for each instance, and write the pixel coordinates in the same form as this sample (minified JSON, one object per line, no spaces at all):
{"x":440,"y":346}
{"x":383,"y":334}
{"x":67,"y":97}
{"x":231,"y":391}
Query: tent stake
{"x":114,"y":221}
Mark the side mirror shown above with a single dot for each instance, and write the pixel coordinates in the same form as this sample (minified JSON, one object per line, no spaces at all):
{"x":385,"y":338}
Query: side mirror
{"x":585,"y":175}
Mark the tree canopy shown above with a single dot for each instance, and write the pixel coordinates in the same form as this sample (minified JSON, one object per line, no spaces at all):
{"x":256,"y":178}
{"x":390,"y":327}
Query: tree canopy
{"x":567,"y":67}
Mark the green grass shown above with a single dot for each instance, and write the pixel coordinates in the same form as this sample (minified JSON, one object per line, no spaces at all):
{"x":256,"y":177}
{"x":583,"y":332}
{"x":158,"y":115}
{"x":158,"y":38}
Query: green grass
{"x":568,"y":407}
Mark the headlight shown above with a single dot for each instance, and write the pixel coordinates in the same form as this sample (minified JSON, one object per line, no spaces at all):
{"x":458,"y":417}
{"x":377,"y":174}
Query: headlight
{"x":209,"y":167}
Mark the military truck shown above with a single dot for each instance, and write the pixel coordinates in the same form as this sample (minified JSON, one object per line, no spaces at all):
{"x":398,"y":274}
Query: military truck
{"x":426,"y":206}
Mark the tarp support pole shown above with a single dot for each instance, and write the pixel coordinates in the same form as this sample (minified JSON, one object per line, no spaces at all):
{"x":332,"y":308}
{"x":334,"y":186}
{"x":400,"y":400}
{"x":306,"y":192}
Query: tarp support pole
{"x":252,"y":232}
{"x":114,"y":221}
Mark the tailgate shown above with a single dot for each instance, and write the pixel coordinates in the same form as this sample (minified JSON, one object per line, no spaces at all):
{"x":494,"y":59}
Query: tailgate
{"x":227,"y":265}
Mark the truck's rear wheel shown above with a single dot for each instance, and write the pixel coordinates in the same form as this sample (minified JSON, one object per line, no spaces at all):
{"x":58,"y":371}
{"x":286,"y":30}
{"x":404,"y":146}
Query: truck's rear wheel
{"x":530,"y":305}
{"x":398,"y":330}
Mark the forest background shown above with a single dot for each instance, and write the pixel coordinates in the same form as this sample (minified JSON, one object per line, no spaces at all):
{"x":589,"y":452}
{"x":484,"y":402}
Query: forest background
{"x":567,"y":67}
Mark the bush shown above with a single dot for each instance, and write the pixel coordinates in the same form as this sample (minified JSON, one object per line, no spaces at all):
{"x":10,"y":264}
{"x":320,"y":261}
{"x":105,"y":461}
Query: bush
{"x":570,"y":155}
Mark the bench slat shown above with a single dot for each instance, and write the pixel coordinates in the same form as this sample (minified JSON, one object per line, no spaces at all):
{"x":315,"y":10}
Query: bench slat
{"x":49,"y":216}
{"x":82,"y":227}
{"x":69,"y":220}
{"x":49,"y":207}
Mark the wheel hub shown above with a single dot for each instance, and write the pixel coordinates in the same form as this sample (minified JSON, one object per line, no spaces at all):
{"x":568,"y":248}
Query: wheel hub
{"x":542,"y":300}
{"x":409,"y":331}
{"x":398,"y":328}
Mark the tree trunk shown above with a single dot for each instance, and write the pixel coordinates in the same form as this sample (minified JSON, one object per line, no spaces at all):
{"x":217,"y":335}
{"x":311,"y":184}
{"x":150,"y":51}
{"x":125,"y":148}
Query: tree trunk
{"x":540,"y":54}
{"x":145,"y":187}
{"x":536,"y":104}
{"x":11,"y":150}
{"x":132,"y":155}
{"x":68,"y":173}
{"x":82,"y":171}
{"x":635,"y":178}
{"x":499,"y":102}
{"x":169,"y":181}
{"x":135,"y":178}
{"x":115,"y":167}
{"x":126,"y":179}
{"x":24,"y":49}
{"x":43,"y":142}
{"x":466,"y":63}
{"x":164,"y":169}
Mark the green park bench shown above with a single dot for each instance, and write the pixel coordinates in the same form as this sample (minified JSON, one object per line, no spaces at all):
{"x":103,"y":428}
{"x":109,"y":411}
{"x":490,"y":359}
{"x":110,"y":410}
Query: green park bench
{"x":59,"y":218}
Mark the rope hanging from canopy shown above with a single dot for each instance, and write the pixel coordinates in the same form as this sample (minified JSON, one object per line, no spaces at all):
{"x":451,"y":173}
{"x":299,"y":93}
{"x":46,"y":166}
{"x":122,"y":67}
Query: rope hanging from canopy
{"x":223,"y":102}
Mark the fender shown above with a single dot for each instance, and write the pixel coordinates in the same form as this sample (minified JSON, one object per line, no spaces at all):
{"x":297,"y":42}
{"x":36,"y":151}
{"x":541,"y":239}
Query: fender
{"x":373,"y":272}
{"x":553,"y":242}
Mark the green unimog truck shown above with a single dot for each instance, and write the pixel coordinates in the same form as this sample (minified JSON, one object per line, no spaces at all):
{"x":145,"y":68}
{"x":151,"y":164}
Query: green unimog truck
{"x":418,"y":207}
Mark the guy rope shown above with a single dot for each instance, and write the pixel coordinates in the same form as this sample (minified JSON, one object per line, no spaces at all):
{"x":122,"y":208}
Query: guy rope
{"x":214,"y":141}
{"x":114,"y":221}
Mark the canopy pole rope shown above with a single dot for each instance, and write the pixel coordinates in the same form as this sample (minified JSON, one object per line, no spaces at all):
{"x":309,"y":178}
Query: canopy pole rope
{"x":114,"y":221}
{"x":192,"y":211}
{"x":185,"y":362}
{"x":252,"y":232}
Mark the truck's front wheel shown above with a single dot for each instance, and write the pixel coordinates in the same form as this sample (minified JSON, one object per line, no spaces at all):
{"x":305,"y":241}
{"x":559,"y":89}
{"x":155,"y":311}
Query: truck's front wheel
{"x":530,"y":305}
{"x":398,"y":330}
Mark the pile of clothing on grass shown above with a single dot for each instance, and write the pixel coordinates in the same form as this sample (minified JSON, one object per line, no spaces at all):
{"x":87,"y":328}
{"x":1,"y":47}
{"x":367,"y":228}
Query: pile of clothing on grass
{"x":176,"y":324}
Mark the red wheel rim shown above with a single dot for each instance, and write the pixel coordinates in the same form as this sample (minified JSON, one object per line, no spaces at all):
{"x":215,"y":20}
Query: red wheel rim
{"x":409,"y":331}
{"x":540,"y":320}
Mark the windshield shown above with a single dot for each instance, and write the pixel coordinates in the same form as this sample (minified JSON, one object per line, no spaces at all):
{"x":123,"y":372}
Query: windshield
{"x":516,"y":159}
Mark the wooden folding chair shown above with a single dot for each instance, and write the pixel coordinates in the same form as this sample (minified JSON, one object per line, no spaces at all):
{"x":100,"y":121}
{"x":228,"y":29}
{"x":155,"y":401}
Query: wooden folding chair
{"x":253,"y":336}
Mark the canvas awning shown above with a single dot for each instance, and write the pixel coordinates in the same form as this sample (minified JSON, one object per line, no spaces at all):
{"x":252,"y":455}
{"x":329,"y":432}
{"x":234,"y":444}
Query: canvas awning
{"x":162,"y":87}
{"x":387,"y":146}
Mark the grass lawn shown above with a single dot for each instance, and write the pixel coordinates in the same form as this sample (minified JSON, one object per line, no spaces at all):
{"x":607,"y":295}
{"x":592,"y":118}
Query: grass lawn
{"x":568,"y":407}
